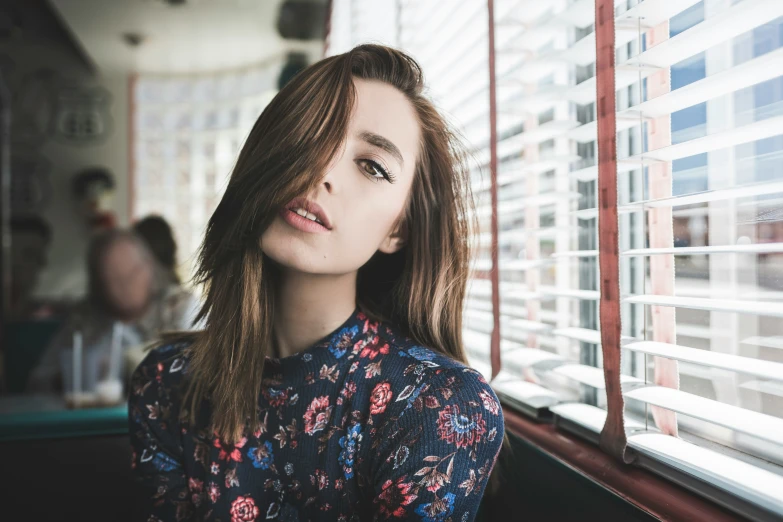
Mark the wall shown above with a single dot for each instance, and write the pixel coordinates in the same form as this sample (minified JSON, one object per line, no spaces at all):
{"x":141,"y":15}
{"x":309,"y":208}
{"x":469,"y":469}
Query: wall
{"x":39,"y":44}
{"x":65,"y":275}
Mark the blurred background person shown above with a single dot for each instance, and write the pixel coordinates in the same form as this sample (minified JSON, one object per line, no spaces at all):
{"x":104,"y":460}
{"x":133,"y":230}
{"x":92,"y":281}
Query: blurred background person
{"x":130,"y":301}
{"x":30,"y":322}
{"x":157,"y":233}
{"x":31,"y":237}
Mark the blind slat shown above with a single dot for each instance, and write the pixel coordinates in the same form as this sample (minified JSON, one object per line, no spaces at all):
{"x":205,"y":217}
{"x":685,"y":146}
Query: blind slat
{"x":526,"y":392}
{"x":711,"y":359}
{"x":512,"y":265}
{"x":752,"y":72}
{"x":575,"y":253}
{"x":713,"y":305}
{"x":588,"y":416}
{"x":758,"y":248}
{"x":589,"y":375}
{"x":729,"y":474}
{"x":742,"y":191}
{"x":585,"y":295}
{"x":758,"y":130}
{"x":738,"y":19}
{"x":585,"y":335}
{"x":773,"y":341}
{"x":741,"y":420}
{"x":524,"y":357}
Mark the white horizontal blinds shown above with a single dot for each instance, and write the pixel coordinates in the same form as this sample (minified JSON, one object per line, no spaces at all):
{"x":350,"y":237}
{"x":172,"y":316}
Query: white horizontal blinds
{"x":548,"y":265}
{"x":701,"y":221}
{"x":455,"y":65}
{"x":540,"y":289}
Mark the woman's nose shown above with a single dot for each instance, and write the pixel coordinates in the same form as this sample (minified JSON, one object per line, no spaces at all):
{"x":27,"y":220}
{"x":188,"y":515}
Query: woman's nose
{"x":328,"y":181}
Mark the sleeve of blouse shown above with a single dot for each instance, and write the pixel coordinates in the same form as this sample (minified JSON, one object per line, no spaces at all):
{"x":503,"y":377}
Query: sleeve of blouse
{"x":435,"y":452}
{"x":155,"y":439}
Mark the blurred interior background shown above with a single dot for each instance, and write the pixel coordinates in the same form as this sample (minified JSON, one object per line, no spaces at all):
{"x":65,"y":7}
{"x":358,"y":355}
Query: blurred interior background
{"x":115,"y":112}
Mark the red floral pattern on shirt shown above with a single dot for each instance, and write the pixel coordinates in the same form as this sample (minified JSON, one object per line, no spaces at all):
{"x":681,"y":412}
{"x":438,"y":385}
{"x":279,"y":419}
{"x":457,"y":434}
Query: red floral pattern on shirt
{"x":317,"y":415}
{"x":419,"y":432}
{"x":395,"y":495}
{"x":244,"y":509}
{"x":230,"y":451}
{"x":380,"y":397}
{"x":460,"y":429}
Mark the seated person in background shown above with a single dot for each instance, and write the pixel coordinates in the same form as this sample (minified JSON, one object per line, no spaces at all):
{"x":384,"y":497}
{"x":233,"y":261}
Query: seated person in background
{"x":29,"y":323}
{"x":160,"y":239}
{"x":130,"y":301}
{"x":30,"y":240}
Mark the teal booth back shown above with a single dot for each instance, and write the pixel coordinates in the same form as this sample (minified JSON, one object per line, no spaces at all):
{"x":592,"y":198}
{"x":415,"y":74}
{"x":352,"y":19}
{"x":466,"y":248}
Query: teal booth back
{"x":24,"y":343}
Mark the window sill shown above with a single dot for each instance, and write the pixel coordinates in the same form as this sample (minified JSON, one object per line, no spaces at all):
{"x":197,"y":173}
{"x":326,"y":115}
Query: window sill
{"x":649,"y":492}
{"x":731,"y":483}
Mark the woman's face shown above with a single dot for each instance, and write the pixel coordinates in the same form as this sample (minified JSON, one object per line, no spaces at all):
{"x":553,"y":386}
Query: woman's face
{"x":361,"y":197}
{"x":127,"y":274}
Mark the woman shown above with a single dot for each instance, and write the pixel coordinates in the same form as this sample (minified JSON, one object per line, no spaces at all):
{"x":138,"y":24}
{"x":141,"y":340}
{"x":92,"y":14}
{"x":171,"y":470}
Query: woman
{"x":329,"y":382}
{"x":129,"y":301}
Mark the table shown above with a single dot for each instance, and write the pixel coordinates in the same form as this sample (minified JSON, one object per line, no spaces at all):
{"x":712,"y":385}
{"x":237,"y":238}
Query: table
{"x":31,"y":417}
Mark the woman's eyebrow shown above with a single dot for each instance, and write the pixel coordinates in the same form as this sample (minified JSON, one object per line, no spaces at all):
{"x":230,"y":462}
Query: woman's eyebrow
{"x":376,"y":140}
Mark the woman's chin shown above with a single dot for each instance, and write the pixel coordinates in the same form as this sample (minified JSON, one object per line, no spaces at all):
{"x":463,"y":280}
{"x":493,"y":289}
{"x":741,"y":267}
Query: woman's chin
{"x":308,"y":253}
{"x":302,"y":264}
{"x":307,"y":261}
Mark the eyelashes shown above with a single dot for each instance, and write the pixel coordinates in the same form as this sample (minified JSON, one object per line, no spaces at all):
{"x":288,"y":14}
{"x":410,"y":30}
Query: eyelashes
{"x":375,"y":171}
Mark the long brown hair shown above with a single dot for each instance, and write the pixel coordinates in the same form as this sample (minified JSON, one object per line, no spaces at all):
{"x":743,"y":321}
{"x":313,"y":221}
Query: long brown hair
{"x":420,"y":289}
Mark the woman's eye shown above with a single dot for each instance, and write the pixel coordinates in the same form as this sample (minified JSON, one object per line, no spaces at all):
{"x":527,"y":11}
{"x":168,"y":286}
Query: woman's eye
{"x":374,"y":170}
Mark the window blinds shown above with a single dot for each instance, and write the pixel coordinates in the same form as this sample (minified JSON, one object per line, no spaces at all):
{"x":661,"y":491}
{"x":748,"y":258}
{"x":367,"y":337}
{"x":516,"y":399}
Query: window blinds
{"x":699,"y":147}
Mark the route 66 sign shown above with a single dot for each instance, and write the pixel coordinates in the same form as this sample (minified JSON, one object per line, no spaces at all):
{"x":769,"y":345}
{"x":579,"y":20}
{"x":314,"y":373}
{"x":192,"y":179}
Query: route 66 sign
{"x":82,"y":115}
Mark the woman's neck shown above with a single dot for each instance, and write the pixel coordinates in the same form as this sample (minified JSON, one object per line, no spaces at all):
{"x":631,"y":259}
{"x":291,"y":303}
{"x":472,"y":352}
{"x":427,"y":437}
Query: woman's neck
{"x":309,"y":307}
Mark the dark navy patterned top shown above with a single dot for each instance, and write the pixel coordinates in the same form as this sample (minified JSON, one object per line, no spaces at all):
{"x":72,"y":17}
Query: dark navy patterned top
{"x":364,"y":425}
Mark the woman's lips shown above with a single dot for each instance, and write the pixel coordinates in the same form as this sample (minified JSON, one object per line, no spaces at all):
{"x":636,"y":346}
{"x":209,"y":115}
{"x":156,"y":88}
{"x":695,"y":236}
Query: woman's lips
{"x":302,"y":223}
{"x":314,"y":218}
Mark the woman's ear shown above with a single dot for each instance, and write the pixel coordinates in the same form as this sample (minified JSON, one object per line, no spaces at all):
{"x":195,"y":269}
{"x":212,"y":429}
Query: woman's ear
{"x":395,"y":240}
{"x":391,"y":244}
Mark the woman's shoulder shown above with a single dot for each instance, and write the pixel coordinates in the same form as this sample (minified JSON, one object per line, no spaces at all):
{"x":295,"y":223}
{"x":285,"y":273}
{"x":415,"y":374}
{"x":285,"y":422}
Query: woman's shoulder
{"x":155,"y":401}
{"x":165,"y":366}
{"x":167,"y":352}
{"x":405,"y":351}
{"x":420,"y":390}
{"x":156,"y":391}
{"x":417,"y":371}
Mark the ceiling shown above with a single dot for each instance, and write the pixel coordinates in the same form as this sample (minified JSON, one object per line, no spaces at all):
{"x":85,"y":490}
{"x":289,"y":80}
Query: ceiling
{"x":198,"y":36}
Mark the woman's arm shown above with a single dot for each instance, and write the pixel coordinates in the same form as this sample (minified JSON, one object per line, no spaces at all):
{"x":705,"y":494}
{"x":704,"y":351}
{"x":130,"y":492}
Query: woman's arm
{"x":436,"y":451}
{"x":155,"y":438}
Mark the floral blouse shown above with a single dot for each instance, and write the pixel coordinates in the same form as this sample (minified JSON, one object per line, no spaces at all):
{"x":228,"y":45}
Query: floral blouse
{"x":364,"y":425}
